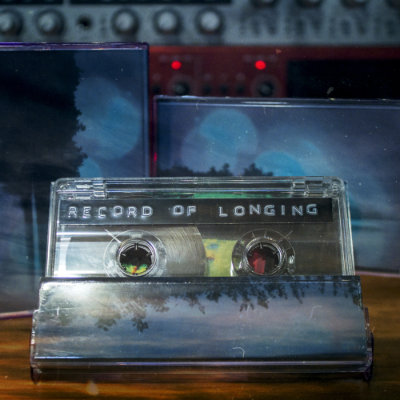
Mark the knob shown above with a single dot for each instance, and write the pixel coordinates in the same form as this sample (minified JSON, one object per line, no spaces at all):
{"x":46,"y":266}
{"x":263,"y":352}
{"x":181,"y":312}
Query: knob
{"x":224,"y":89}
{"x":50,"y":23}
{"x":263,"y":3}
{"x":355,"y":3}
{"x":240,"y":90}
{"x":181,"y":89}
{"x":309,"y":3}
{"x":207,"y":90}
{"x":125,"y":22}
{"x":167,"y":21}
{"x":209,"y":21}
{"x":265,"y":89}
{"x":10,"y":23}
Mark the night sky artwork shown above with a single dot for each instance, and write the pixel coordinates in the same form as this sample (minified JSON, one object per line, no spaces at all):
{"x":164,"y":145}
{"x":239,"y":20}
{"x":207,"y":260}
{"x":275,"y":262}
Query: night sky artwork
{"x":357,"y":141}
{"x":64,"y":111}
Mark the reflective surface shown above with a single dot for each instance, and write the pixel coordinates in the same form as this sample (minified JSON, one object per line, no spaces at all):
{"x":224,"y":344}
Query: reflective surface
{"x":65,"y":110}
{"x":356,"y":140}
{"x":262,"y":324}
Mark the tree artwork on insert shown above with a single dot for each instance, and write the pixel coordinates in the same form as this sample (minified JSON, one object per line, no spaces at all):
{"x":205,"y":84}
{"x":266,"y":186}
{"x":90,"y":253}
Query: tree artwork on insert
{"x":225,"y":170}
{"x":38,"y":123}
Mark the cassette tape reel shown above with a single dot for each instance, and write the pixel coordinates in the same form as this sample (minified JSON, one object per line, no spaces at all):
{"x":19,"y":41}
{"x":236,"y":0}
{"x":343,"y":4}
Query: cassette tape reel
{"x":156,"y":251}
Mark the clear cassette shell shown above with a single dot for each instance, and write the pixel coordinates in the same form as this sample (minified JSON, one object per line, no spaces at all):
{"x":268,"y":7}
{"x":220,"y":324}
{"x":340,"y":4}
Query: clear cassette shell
{"x":199,"y":227}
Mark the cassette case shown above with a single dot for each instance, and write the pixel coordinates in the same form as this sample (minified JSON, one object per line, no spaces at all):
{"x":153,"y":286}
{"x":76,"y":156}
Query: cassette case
{"x":199,"y":277}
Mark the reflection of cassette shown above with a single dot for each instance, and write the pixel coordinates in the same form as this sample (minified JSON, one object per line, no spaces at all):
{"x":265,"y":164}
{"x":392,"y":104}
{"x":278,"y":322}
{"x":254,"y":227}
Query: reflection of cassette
{"x":203,"y":228}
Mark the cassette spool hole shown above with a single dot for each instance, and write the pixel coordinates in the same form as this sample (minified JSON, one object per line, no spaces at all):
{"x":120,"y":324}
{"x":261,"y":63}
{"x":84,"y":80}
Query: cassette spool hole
{"x":264,"y":258}
{"x":263,"y":252}
{"x":135,"y":257}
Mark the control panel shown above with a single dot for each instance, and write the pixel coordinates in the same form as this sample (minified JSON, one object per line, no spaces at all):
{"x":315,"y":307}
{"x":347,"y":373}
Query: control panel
{"x":276,"y":71}
{"x":207,"y":22}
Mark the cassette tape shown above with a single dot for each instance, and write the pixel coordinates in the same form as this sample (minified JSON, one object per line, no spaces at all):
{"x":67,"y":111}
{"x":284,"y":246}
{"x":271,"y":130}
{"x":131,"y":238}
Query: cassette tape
{"x":133,"y":228}
{"x":228,"y":277}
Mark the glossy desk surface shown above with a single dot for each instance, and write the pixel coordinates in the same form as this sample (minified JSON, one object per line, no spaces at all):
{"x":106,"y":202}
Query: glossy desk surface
{"x":381,"y":296}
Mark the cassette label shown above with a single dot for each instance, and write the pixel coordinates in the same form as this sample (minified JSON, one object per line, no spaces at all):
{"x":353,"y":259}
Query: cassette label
{"x":196,"y":211}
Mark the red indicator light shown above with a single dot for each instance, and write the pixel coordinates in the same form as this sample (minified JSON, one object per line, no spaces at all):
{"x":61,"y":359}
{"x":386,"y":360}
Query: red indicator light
{"x":176,"y":65}
{"x":260,"y":65}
